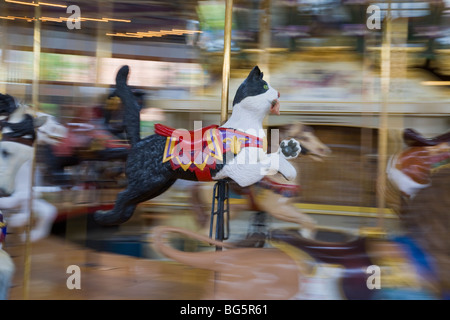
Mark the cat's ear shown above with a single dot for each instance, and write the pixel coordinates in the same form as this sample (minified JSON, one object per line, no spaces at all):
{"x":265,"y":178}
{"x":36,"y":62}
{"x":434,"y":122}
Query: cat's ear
{"x":255,"y":73}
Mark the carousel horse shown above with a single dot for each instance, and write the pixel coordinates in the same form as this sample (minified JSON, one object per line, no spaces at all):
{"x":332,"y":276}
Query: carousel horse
{"x":343,"y":270}
{"x":411,"y":266}
{"x":19,"y":137}
{"x":414,"y":264}
{"x":411,"y":169}
{"x":243,"y":273}
{"x":232,"y":151}
{"x":274,"y":194}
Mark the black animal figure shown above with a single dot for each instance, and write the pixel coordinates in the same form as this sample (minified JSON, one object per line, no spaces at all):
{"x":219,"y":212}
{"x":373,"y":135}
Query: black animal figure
{"x":231,"y":151}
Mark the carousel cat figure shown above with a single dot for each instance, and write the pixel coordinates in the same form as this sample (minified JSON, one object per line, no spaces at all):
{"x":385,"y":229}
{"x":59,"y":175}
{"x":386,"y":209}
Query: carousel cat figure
{"x":233,"y":151}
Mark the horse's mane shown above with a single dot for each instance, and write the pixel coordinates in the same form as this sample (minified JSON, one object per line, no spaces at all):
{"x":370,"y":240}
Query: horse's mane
{"x":20,"y":129}
{"x":426,"y":218}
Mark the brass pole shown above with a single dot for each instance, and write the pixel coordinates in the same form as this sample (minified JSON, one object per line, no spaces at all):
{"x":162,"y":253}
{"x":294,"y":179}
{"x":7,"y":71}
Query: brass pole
{"x":225,"y":75}
{"x":35,"y":102}
{"x":3,"y":47}
{"x":36,"y":58}
{"x":104,"y":43}
{"x":264,"y":36}
{"x":226,"y":60}
{"x":264,"y":44}
{"x":383,"y":124}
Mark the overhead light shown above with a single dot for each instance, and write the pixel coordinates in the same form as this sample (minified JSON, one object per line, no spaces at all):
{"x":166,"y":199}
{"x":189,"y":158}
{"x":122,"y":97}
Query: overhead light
{"x":52,"y":4}
{"x":92,"y":19}
{"x":20,"y":18}
{"x":50,"y":19}
{"x":123,"y":35}
{"x":150,"y":34}
{"x":24,"y":3}
{"x":118,"y":20}
{"x":62,"y":19}
{"x":34,"y":4}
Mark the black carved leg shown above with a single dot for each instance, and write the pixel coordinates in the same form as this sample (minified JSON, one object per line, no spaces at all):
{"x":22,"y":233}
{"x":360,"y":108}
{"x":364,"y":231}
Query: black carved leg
{"x":127,"y":201}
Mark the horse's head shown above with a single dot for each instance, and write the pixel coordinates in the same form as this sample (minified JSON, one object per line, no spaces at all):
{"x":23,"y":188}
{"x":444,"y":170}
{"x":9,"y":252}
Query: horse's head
{"x":51,"y":132}
{"x":311,"y":145}
{"x":411,"y":169}
{"x":16,"y":147}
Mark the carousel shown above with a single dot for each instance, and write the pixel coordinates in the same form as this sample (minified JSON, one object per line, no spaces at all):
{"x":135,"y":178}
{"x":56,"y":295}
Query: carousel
{"x":330,"y":185}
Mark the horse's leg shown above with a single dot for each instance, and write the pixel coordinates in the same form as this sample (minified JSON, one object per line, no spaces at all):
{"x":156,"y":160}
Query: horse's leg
{"x":18,"y":220}
{"x":45,"y":216}
{"x":283,"y":209}
{"x":7,"y":270}
{"x":128,"y":200}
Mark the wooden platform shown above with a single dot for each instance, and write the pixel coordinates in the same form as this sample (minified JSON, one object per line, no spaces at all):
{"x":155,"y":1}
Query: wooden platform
{"x":104,"y":276}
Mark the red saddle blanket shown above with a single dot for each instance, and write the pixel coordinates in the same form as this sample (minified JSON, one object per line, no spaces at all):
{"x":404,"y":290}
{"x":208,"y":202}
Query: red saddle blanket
{"x":199,"y":151}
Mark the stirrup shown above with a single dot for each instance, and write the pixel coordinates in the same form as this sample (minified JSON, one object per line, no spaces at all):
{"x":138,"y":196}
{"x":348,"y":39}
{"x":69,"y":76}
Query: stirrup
{"x":221,"y":201}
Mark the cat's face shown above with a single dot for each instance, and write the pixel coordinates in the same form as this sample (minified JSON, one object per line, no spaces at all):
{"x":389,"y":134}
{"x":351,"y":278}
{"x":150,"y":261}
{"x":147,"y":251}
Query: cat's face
{"x":255,"y":92}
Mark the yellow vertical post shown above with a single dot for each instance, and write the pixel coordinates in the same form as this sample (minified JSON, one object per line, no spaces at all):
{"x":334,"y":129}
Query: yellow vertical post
{"x":264,"y":35}
{"x":383,"y":122}
{"x":36,"y":58}
{"x":264,"y":44}
{"x":35,"y":102}
{"x":104,"y":43}
{"x":225,"y":76}
{"x":3,"y":47}
{"x":226,"y":60}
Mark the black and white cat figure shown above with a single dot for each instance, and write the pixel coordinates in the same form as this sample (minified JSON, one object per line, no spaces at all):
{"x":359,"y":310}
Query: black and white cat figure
{"x":232,"y":151}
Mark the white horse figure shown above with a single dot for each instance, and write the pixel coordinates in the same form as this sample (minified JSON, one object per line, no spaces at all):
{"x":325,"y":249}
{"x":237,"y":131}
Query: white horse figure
{"x":19,"y":135}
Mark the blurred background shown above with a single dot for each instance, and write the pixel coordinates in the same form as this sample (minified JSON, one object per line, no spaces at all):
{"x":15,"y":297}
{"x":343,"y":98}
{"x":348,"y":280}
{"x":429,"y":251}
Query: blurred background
{"x":344,"y":70}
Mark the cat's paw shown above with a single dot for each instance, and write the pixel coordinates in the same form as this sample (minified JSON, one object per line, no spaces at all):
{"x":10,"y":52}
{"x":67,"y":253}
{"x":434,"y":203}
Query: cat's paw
{"x":290,"y":148}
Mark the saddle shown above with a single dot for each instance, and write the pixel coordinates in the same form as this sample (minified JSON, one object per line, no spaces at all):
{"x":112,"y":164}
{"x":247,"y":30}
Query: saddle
{"x":206,"y":148}
{"x":196,"y":135}
{"x":351,"y":255}
{"x":414,"y":139}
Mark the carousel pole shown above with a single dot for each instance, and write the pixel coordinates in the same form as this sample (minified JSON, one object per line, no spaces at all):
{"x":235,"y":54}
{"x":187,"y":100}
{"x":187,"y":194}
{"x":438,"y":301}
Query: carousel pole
{"x":3,"y":47}
{"x":226,"y":60}
{"x":35,"y":105}
{"x":264,"y":36}
{"x":264,"y":44}
{"x":383,"y":122}
{"x":221,"y":191}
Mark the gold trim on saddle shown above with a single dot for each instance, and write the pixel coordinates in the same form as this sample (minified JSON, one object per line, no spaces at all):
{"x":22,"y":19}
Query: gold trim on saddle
{"x":197,"y":155}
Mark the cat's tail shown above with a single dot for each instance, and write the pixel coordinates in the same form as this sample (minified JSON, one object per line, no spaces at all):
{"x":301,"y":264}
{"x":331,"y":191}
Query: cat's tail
{"x":132,"y":120}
